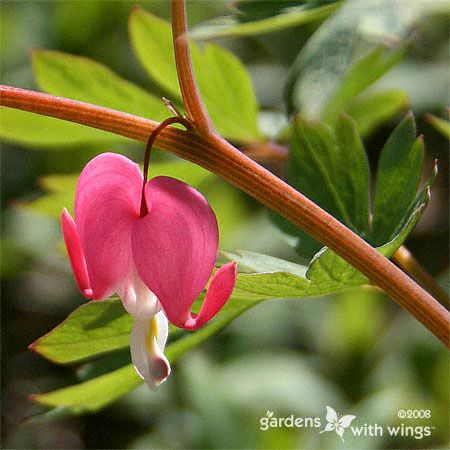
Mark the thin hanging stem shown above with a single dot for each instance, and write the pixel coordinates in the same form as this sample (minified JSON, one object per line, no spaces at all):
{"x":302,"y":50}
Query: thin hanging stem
{"x":148,"y":148}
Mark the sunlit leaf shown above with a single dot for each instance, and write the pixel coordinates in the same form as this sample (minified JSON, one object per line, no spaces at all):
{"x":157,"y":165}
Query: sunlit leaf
{"x":92,"y":329}
{"x":291,"y":16}
{"x":372,"y":109}
{"x":362,"y":74}
{"x":224,"y":83}
{"x":257,"y":262}
{"x":346,"y":55}
{"x":38,"y":131}
{"x":94,"y":394}
{"x":88,"y":81}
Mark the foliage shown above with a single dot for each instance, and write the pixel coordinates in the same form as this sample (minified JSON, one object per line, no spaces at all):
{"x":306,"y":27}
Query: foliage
{"x":333,"y":171}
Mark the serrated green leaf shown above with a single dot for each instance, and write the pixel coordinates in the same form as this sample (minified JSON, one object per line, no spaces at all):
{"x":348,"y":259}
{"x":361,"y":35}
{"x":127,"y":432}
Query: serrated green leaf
{"x":398,"y":177}
{"x":333,"y":172}
{"x":294,"y":16}
{"x":353,"y":184}
{"x":441,"y":125}
{"x":38,"y":131}
{"x":92,"y":329}
{"x":224,"y":83}
{"x":88,"y":81}
{"x":362,"y":74}
{"x":371,"y":110}
{"x":410,"y":219}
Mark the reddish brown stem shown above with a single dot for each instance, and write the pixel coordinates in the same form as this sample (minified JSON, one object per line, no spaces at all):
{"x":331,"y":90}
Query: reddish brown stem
{"x":220,"y":157}
{"x":192,"y":101}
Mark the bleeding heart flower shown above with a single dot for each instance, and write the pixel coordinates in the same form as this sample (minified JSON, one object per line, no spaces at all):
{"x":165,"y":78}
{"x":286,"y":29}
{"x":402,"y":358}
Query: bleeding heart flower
{"x":156,"y":255}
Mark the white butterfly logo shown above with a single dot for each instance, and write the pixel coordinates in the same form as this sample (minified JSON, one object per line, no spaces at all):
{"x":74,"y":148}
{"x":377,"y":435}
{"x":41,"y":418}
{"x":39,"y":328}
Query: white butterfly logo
{"x":338,"y":424}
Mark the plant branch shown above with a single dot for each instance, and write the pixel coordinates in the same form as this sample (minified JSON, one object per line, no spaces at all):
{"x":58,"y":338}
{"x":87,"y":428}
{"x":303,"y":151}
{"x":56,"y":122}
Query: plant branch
{"x":220,"y":157}
{"x":405,"y":259}
{"x":191,"y":98}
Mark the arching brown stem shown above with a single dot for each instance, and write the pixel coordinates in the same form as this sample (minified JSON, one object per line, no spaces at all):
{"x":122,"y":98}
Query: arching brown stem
{"x":148,"y":148}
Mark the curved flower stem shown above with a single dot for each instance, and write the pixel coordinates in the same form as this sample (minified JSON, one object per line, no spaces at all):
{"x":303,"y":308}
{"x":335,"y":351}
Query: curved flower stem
{"x":148,"y":148}
{"x":220,"y":157}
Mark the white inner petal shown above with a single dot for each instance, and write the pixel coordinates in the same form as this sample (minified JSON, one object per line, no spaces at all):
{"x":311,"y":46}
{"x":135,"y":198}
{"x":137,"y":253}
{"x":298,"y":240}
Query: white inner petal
{"x":147,"y":341}
{"x":138,"y":299}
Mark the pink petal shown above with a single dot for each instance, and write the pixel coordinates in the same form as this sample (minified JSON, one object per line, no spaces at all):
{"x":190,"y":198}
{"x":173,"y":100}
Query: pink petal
{"x":107,"y":203}
{"x":76,"y":255}
{"x":175,"y":245}
{"x":218,"y":293}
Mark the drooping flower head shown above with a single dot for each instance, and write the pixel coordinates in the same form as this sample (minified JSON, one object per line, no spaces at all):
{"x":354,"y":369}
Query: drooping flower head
{"x":158,"y":259}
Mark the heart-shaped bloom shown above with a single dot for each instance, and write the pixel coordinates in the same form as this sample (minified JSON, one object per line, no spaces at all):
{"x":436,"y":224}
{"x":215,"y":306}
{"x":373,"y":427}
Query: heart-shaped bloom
{"x":158,"y":263}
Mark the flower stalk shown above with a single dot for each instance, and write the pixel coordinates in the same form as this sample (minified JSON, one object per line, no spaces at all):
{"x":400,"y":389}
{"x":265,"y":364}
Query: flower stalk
{"x":148,"y":148}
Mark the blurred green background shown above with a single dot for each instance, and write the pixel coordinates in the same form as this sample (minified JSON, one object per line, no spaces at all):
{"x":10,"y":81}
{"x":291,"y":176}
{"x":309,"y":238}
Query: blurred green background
{"x":356,"y":351}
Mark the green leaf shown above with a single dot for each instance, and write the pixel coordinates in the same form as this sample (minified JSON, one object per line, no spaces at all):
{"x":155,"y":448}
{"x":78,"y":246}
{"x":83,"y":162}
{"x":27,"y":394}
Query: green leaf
{"x":231,"y":27}
{"x":223,"y":81}
{"x":332,"y":171}
{"x":398,"y":177}
{"x":441,"y":125}
{"x":371,"y":110}
{"x":343,"y":57}
{"x":415,"y":210}
{"x":94,"y":394}
{"x":38,"y":131}
{"x":362,"y":74}
{"x":88,"y":81}
{"x":92,"y":329}
{"x":257,"y":262}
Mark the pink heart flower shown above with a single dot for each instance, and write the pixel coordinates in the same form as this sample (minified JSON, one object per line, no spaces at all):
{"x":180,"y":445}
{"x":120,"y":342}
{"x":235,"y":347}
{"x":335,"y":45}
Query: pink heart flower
{"x":158,"y":264}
